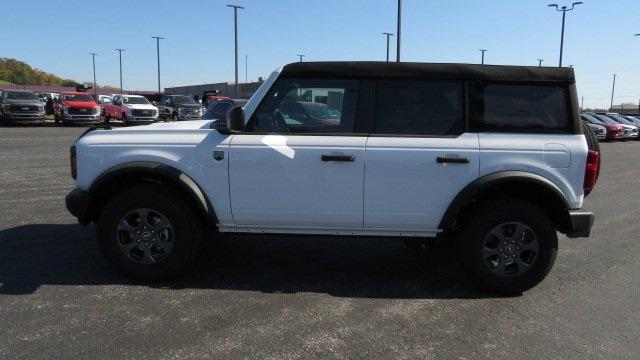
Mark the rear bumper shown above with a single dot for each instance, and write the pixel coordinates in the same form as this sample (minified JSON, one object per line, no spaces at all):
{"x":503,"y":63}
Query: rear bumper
{"x":581,"y":223}
{"x":79,"y":204}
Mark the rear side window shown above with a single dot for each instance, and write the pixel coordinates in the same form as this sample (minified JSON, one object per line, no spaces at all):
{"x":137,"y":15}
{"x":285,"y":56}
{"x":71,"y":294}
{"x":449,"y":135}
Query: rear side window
{"x":420,"y":107}
{"x":525,"y":107}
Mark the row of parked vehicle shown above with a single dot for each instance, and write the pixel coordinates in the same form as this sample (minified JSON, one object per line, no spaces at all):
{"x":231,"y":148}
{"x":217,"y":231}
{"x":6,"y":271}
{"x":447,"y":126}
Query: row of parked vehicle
{"x":612,"y":126}
{"x":83,"y":108}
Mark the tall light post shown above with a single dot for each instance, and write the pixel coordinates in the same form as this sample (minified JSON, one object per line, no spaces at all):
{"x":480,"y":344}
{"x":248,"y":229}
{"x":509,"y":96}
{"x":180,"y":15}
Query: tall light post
{"x":120,"y":57}
{"x":388,"y":35}
{"x":564,"y":10}
{"x":613,"y":91}
{"x":483,"y":51}
{"x":540,"y":62}
{"x":246,"y":68}
{"x":235,"y":26}
{"x":93,"y":59}
{"x":638,"y":100}
{"x":399,"y":30}
{"x":300,"y":56}
{"x":158,"y":38}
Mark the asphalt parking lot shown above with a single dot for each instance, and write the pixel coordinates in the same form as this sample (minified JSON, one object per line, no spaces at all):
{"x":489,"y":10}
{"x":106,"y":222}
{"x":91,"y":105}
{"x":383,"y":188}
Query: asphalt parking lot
{"x":289,"y":298}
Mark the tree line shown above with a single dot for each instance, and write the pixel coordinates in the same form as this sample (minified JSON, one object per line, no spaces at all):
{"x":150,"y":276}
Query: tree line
{"x":20,"y":73}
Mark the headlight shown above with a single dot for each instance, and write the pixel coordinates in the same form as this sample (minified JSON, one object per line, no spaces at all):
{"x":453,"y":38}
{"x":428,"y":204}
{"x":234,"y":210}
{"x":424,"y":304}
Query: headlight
{"x":6,"y":107}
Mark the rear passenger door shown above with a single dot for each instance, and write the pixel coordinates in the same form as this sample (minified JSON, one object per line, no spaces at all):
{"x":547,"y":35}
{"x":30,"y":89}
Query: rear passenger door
{"x":419,"y":156}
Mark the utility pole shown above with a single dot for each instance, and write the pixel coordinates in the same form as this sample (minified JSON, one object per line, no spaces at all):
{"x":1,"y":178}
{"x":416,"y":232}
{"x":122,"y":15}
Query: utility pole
{"x":235,"y":26}
{"x":399,"y":30}
{"x":540,"y":62}
{"x":564,"y":10}
{"x":582,"y":104}
{"x":158,"y":38}
{"x":120,"y":56}
{"x":613,"y":91}
{"x":300,"y":56}
{"x":246,"y":68}
{"x":388,"y":35}
{"x":483,"y":51}
{"x":93,"y":58}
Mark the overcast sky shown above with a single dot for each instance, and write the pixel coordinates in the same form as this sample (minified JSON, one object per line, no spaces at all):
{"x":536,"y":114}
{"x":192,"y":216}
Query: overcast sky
{"x":56,"y":36}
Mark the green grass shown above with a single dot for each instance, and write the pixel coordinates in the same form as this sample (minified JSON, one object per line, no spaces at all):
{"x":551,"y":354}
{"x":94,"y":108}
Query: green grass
{"x":2,"y":82}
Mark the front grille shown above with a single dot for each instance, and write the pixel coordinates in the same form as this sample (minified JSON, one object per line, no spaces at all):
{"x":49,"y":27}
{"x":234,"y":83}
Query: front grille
{"x":138,"y":112}
{"x":24,"y":108}
{"x":82,"y":111}
{"x":189,"y":111}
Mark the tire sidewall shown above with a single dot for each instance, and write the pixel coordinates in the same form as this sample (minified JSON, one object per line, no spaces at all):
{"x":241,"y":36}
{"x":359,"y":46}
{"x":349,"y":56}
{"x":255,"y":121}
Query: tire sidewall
{"x":185,"y":227}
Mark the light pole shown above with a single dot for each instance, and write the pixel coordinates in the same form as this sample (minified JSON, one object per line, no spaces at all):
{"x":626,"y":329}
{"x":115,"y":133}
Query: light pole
{"x":93,"y":58}
{"x":235,"y":26}
{"x":120,"y":57}
{"x":300,"y":57}
{"x":246,"y":68}
{"x":613,"y":91}
{"x":399,"y":32}
{"x":483,"y":51}
{"x":388,"y":35}
{"x":158,"y":38}
{"x":564,"y":10}
{"x":540,"y":62}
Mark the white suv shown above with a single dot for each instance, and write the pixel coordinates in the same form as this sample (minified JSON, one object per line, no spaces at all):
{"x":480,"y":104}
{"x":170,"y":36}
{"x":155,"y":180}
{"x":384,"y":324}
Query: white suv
{"x":493,"y":158}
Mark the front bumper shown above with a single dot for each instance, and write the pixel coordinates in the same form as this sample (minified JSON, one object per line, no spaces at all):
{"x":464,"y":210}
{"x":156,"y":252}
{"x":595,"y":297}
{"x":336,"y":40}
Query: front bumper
{"x":83,"y":119}
{"x":189,"y":117}
{"x":80,"y":205}
{"x":18,"y":118}
{"x":581,"y":223}
{"x":145,"y":119}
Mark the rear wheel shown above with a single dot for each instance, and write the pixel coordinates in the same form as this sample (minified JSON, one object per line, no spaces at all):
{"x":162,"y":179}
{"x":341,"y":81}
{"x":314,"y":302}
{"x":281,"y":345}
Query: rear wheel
{"x":507,"y":245}
{"x":174,"y":117}
{"x":148,"y":232}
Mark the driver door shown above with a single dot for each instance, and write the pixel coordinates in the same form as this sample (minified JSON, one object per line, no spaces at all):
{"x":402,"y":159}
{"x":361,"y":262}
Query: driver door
{"x":299,"y":163}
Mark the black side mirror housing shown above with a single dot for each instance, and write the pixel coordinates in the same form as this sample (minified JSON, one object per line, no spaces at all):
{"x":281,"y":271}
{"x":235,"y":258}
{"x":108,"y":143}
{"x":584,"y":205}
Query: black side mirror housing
{"x":234,"y":123}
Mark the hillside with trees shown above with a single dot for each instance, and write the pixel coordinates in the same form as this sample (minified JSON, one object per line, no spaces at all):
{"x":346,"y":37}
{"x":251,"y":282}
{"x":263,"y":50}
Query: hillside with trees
{"x":17,"y":72}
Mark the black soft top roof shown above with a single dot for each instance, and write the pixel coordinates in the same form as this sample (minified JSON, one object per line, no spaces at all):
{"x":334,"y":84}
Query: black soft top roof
{"x":379,"y":69}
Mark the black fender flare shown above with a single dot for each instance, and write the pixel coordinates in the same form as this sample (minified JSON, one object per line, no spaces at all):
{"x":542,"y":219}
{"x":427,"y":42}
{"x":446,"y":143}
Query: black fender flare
{"x":474,"y":189}
{"x":158,"y":170}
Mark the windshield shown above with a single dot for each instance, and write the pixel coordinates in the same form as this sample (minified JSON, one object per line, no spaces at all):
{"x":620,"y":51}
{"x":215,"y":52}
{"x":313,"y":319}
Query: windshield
{"x":606,"y":120}
{"x":19,"y":95}
{"x":622,"y":120}
{"x":134,"y":100}
{"x":592,"y":119}
{"x":183,"y":100}
{"x":77,"y":97}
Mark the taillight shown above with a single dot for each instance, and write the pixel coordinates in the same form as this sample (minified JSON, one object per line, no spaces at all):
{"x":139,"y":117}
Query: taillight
{"x":592,"y":170}
{"x":74,"y":162}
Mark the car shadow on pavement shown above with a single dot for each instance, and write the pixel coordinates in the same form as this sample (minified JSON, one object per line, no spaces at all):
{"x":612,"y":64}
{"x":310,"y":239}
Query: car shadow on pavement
{"x":66,"y":254}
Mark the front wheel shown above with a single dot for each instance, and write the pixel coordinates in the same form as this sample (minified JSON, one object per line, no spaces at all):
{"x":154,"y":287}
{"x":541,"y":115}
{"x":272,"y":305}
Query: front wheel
{"x":174,"y":117}
{"x":125,"y":121}
{"x":507,"y":245}
{"x":148,"y":232}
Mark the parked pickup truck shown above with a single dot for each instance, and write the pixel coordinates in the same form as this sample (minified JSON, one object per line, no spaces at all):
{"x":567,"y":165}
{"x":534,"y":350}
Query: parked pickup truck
{"x":130,"y":109}
{"x":179,"y":107}
{"x":21,"y":107}
{"x":491,"y":158}
{"x":76,"y":108}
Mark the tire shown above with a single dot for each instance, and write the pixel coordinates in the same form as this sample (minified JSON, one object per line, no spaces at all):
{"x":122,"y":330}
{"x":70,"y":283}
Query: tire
{"x":476,"y":241}
{"x":106,"y":119}
{"x":125,"y":121}
{"x":56,"y":119}
{"x":593,"y":145}
{"x":184,"y":233}
{"x":174,"y":117}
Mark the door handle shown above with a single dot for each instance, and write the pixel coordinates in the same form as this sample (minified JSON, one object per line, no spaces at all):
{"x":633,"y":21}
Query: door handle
{"x":452,"y":160}
{"x":338,"y":158}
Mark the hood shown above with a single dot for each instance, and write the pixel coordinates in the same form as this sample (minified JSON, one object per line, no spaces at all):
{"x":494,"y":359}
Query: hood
{"x":630,"y":127}
{"x":22,"y":102}
{"x":141,"y":106}
{"x":178,"y":125}
{"x":80,"y":104}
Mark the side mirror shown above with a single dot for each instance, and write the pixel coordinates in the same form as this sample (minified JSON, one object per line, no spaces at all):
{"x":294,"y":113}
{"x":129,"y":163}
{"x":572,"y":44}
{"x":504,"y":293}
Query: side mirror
{"x":234,"y":123}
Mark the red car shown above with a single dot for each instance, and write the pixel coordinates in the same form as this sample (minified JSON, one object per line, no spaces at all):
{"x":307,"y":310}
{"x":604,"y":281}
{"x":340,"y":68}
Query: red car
{"x":614,"y":131}
{"x":76,"y":108}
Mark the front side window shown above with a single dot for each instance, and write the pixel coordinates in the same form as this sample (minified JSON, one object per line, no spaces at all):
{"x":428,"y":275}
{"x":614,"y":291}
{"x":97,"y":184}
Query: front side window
{"x":307,"y":106}
{"x":419,"y":107}
{"x":528,"y":107}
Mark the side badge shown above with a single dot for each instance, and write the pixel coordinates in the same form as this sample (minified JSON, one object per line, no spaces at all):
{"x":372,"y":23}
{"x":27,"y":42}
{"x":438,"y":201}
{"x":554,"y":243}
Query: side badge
{"x":218,"y":155}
